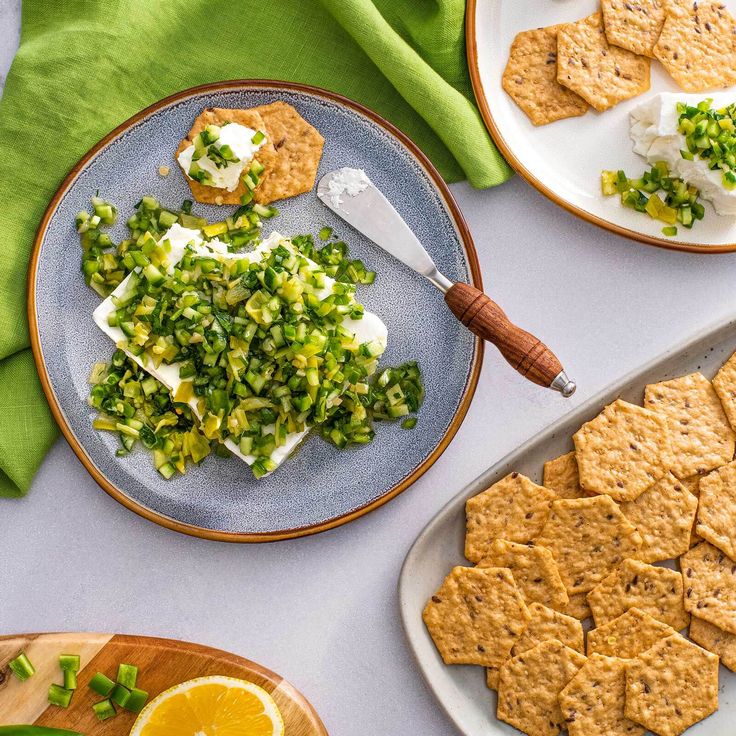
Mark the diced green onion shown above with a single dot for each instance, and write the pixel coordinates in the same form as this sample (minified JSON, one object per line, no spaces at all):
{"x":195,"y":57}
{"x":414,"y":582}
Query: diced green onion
{"x":70,"y":679}
{"x":101,"y":684}
{"x":409,"y":423}
{"x":259,"y":137}
{"x":21,"y":667}
{"x":136,"y":700}
{"x":670,"y":230}
{"x":104,"y":710}
{"x":60,"y":696}
{"x":127,"y":675}
{"x":120,"y":695}
{"x":324,"y":233}
{"x":70,"y":662}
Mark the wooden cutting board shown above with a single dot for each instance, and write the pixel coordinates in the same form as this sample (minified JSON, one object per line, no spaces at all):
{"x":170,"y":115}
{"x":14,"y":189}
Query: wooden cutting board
{"x":162,"y":663}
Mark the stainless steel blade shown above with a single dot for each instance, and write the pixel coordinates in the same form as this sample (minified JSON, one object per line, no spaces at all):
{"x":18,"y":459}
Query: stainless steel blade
{"x":353,"y":196}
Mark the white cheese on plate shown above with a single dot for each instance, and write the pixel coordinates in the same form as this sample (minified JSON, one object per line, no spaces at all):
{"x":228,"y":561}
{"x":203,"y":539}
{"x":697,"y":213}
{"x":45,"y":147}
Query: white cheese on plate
{"x":240,"y":139}
{"x":367,"y":329}
{"x":654,"y":131}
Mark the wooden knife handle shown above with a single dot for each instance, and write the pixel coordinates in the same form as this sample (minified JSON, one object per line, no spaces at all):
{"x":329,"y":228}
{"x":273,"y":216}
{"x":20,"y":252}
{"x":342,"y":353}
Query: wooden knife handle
{"x":482,"y":316}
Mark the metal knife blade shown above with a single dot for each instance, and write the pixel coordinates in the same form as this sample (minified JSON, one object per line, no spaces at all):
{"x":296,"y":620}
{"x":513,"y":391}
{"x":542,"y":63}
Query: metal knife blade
{"x":352,"y":195}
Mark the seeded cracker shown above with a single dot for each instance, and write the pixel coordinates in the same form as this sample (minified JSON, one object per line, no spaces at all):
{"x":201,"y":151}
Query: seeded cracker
{"x":601,"y":74}
{"x":623,"y":451}
{"x":709,"y":576}
{"x":530,"y":684}
{"x":534,"y":571}
{"x":628,"y":635}
{"x":633,"y":24}
{"x":530,"y":78}
{"x":717,"y":509}
{"x":697,"y":45}
{"x":654,"y":590}
{"x":578,"y":606}
{"x":561,"y":475}
{"x":664,"y":516}
{"x":593,"y":701}
{"x":513,"y":509}
{"x":724,"y":383}
{"x":672,"y":686}
{"x":266,"y":154}
{"x":715,"y":640}
{"x":476,"y":616}
{"x":588,"y":538}
{"x":702,"y":438}
{"x":298,"y":151}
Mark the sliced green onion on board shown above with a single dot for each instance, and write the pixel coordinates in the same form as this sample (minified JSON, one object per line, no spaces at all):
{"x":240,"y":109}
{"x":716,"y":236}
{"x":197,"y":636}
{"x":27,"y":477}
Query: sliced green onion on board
{"x":21,"y":667}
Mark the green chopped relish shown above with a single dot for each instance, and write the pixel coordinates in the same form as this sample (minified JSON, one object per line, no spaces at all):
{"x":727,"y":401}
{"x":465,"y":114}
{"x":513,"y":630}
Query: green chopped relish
{"x":710,"y":135}
{"x":680,"y":203}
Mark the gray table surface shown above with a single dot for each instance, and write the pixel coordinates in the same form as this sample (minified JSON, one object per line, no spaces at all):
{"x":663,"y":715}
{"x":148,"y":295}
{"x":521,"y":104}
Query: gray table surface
{"x":323,"y":611}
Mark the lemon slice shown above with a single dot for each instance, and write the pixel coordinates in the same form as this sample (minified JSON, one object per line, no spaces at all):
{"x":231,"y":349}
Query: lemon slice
{"x":211,"y":706}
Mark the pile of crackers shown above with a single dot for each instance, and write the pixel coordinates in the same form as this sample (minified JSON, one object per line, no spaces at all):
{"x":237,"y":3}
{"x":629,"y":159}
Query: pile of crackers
{"x":637,"y":529}
{"x":558,"y":71}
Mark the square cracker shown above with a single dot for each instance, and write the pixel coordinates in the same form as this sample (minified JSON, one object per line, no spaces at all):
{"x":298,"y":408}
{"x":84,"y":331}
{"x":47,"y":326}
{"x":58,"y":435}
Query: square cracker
{"x":724,"y":383}
{"x":697,"y":45}
{"x":514,"y":508}
{"x":530,"y":684}
{"x":715,"y":640}
{"x":717,"y":509}
{"x":623,"y":450}
{"x":476,"y":616}
{"x":593,"y":701}
{"x":603,"y":75}
{"x":702,"y":438}
{"x":654,"y":590}
{"x":671,"y":686}
{"x":578,"y":606}
{"x":633,"y":24}
{"x":298,"y":152}
{"x":534,"y":570}
{"x":628,"y":635}
{"x":266,"y":154}
{"x":561,"y":475}
{"x":588,"y":537}
{"x":709,"y":576}
{"x":530,"y":78}
{"x":664,"y":515}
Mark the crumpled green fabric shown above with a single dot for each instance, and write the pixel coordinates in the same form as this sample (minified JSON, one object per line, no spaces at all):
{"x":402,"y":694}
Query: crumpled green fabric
{"x":84,"y":66}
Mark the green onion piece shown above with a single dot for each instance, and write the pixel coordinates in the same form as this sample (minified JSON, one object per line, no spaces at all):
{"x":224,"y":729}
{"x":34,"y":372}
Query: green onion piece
{"x":324,"y":233}
{"x":69,"y":661}
{"x":70,"y":679}
{"x":21,"y":667}
{"x":120,"y":695}
{"x":104,"y":710}
{"x":670,"y":230}
{"x":137,"y":700}
{"x":127,"y":675}
{"x":101,"y":684}
{"x":409,"y":423}
{"x":60,"y":696}
{"x":259,"y":137}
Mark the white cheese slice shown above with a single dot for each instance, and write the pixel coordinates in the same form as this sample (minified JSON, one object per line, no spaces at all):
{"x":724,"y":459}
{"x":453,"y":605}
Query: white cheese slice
{"x":656,"y":137}
{"x":367,"y":329}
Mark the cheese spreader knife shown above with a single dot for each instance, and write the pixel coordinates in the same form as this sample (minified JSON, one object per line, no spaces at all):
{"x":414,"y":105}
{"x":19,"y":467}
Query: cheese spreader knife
{"x":351,"y":194}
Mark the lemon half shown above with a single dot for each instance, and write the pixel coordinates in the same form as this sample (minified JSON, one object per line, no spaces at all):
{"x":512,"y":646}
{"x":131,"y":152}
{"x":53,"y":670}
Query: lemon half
{"x":211,"y":706}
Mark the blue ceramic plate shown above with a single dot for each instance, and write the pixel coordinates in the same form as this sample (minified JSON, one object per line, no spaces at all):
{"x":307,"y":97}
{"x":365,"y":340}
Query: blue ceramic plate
{"x":320,"y":486}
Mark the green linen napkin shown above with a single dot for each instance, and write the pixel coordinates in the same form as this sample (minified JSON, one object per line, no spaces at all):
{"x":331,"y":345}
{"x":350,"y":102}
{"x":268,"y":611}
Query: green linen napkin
{"x":84,"y":66}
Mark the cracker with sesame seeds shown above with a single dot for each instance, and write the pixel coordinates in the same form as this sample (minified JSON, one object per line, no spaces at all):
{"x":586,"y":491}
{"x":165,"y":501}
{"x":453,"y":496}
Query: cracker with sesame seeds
{"x":561,"y":475}
{"x":717,"y":509}
{"x":603,"y":75}
{"x":715,"y":640}
{"x":702,"y":438}
{"x":266,"y":154}
{"x":627,"y":635}
{"x":724,"y":383}
{"x":654,"y":590}
{"x":709,"y":578}
{"x":623,"y":450}
{"x":633,"y":24}
{"x":534,"y":570}
{"x":530,"y":684}
{"x":593,"y":701}
{"x":514,"y":508}
{"x":476,"y":616}
{"x":671,"y":686}
{"x":578,"y":606}
{"x":697,"y":45}
{"x":530,"y":78}
{"x":664,"y":516}
{"x":588,"y":537}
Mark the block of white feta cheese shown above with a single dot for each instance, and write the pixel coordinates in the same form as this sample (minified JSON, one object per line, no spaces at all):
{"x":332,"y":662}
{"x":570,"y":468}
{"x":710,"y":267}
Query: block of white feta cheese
{"x":367,"y":329}
{"x":654,"y":130}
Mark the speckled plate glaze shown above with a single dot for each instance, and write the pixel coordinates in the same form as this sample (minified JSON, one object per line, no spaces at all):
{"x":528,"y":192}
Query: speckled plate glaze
{"x":319,"y":487}
{"x":461,"y":690}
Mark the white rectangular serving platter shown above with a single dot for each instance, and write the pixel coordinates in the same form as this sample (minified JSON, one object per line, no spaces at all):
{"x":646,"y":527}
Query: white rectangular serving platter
{"x":461,"y":689}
